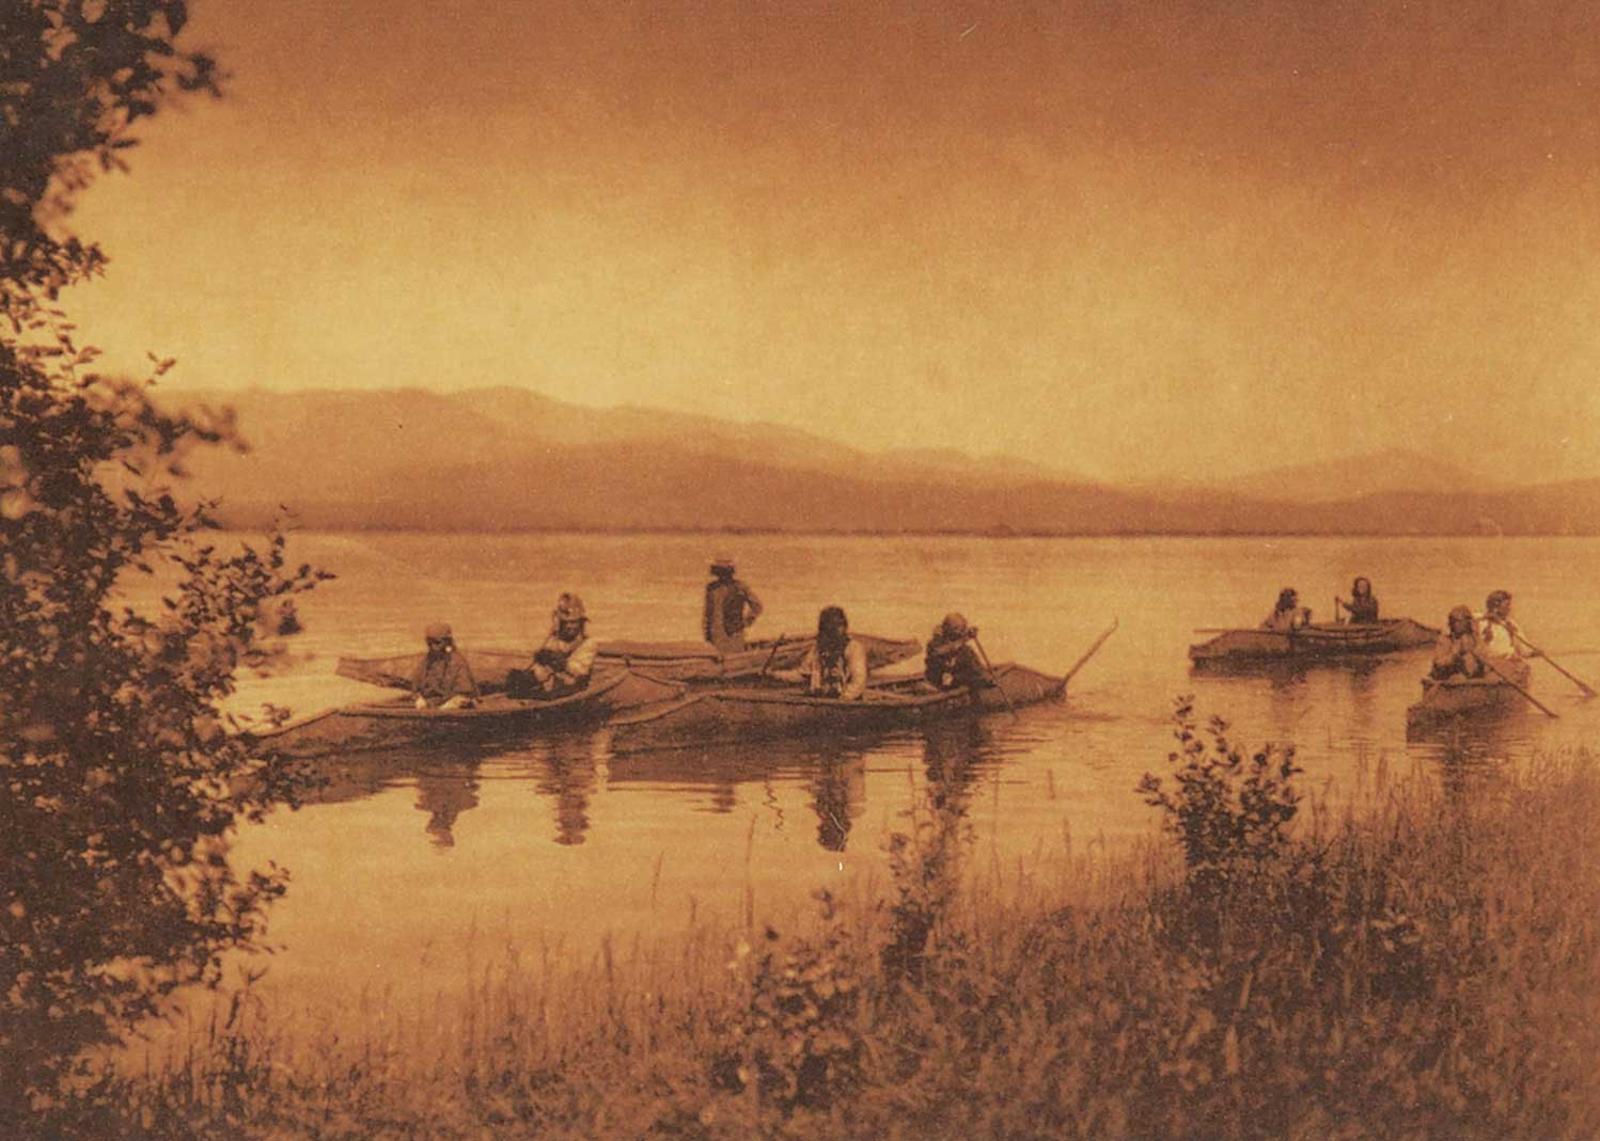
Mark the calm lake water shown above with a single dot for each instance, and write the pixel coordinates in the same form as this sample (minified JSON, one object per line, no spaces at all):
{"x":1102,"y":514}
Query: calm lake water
{"x":406,"y":867}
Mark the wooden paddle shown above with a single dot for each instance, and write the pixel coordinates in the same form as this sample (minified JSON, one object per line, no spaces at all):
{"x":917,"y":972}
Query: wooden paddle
{"x":1012,"y":709}
{"x":1092,"y":650}
{"x":1588,"y":690}
{"x":1537,"y":704}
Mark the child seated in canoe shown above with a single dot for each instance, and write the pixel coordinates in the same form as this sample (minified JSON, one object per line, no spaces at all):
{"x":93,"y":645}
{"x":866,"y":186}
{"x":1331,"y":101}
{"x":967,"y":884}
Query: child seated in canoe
{"x":443,"y":679}
{"x":1455,"y":654}
{"x":1288,"y":614}
{"x":951,"y":662}
{"x":836,"y":665}
{"x":1362,"y":609}
{"x":563,"y":664}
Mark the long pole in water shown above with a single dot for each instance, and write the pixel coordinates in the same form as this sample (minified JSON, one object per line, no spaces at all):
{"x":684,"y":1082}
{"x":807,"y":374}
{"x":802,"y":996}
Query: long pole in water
{"x":1012,"y":709}
{"x":1092,"y":650}
{"x":1588,"y":690}
{"x":1537,"y":704}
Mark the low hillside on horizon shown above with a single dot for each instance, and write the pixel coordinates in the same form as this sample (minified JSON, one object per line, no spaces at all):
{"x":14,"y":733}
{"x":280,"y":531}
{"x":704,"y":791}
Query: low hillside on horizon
{"x":502,"y":459}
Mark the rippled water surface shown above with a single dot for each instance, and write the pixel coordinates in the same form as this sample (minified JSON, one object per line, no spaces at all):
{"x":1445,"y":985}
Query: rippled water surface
{"x":405,"y":866}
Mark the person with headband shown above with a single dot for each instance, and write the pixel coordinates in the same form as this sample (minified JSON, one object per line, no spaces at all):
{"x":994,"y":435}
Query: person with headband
{"x":443,"y":679}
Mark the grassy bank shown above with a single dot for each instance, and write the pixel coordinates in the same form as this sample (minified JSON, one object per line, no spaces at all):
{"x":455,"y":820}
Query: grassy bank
{"x":1425,"y":969}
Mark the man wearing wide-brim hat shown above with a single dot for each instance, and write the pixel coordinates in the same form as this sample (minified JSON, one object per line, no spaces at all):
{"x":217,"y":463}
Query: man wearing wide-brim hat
{"x":731,"y":607}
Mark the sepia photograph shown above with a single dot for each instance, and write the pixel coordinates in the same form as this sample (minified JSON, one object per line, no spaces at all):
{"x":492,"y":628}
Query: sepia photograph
{"x":724,"y":569}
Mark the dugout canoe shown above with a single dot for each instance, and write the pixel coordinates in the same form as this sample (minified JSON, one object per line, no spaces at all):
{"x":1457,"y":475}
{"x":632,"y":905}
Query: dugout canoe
{"x":396,"y":723}
{"x":670,"y":661}
{"x":1317,"y":642}
{"x":1455,"y":696}
{"x":735,"y":715}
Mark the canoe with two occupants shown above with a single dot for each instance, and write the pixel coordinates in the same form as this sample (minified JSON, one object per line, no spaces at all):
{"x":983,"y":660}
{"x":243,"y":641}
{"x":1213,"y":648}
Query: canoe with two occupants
{"x":957,"y":681}
{"x":1459,"y":695}
{"x":670,"y":661}
{"x":365,"y":727}
{"x":1330,"y":641}
{"x":737,"y":714}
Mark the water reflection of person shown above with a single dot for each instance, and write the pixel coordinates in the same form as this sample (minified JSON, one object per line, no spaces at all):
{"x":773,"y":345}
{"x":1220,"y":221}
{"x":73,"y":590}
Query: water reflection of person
{"x":952,"y":754}
{"x":444,"y":794}
{"x":838,"y":790}
{"x":569,"y":779}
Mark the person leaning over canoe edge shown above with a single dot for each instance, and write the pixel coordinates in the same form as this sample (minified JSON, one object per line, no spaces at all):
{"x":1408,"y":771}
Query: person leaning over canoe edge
{"x":443,"y":679}
{"x":1362,"y":608}
{"x":1288,"y":614}
{"x":1499,"y":636}
{"x":951,"y":662}
{"x":836,"y":665}
{"x":731,"y":607}
{"x":563,"y":664}
{"x":1455,"y":654}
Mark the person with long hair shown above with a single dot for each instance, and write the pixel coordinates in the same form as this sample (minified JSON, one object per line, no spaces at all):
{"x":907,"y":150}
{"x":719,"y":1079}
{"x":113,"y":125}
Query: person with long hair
{"x":1362,"y":608}
{"x":836,"y":664}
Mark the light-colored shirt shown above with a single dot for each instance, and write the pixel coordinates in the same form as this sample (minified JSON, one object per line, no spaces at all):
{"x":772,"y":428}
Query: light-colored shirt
{"x":846,"y":679}
{"x":1497,"y":637}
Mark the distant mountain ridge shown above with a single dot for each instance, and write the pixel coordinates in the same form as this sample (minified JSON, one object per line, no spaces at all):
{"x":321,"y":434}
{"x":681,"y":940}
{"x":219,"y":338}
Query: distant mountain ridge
{"x":513,"y":459}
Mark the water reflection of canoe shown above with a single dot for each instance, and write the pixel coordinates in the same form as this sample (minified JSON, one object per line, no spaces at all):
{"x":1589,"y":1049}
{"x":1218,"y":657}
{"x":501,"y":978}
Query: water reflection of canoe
{"x":397,"y":723}
{"x":674,"y":661}
{"x":737,"y":715}
{"x":1329,"y":641}
{"x":1458,"y":695}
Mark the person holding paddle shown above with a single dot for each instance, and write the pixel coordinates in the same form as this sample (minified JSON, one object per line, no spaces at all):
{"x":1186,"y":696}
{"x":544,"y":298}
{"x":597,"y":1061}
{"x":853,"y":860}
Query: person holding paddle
{"x":1498,"y":633}
{"x":1362,"y":609}
{"x":951,"y":662}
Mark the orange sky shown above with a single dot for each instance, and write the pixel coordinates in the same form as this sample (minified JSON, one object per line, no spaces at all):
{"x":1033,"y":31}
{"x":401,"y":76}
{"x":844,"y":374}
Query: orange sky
{"x":1118,"y":238}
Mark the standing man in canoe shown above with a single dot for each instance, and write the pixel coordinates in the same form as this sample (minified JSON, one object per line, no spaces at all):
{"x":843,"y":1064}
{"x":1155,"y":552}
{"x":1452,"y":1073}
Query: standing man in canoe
{"x":1288,"y":615}
{"x":563,"y":664}
{"x":836,"y":665}
{"x":1455,"y":654}
{"x":443,"y":679}
{"x":731,"y":608}
{"x":1363,"y":605}
{"x":951,"y":662}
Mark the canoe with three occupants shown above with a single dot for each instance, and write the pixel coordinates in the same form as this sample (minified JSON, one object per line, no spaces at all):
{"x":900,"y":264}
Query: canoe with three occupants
{"x":366,"y":727}
{"x":1316,"y":642}
{"x":669,"y":661}
{"x":738,"y":714}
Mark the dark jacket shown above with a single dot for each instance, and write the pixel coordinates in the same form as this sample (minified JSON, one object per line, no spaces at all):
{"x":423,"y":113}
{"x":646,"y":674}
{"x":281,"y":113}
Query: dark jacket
{"x":730,"y":608}
{"x":1363,"y":611}
{"x":952,"y":663}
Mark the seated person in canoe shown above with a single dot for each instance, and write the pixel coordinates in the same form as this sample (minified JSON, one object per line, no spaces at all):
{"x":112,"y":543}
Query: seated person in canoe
{"x":1362,"y":609}
{"x":443,"y":679}
{"x":836,"y":665}
{"x":731,"y":607}
{"x":1455,"y":654}
{"x":951,"y":661}
{"x":1499,"y":636}
{"x":1288,"y":615}
{"x":563,"y":664}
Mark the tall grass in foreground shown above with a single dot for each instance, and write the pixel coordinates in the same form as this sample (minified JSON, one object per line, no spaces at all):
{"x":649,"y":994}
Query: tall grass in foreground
{"x":1427,"y":968}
